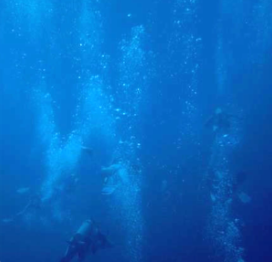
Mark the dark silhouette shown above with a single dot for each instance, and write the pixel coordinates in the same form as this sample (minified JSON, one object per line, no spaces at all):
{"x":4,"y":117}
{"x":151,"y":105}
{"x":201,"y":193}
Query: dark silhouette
{"x":87,"y":239}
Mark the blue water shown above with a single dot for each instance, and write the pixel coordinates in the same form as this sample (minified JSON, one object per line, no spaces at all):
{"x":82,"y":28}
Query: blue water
{"x":136,"y":83}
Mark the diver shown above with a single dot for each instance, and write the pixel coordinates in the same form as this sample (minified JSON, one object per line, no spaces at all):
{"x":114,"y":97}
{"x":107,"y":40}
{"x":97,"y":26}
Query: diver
{"x":87,"y":239}
{"x":219,"y":121}
{"x":114,"y":176}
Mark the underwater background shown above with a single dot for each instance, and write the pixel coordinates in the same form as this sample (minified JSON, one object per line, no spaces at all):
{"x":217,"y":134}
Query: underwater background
{"x":175,"y":93}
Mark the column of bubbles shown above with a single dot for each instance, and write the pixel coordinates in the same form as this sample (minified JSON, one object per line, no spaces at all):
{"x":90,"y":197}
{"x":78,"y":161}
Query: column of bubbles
{"x":28,"y":21}
{"x":231,"y":15}
{"x":126,"y":200}
{"x":93,"y":114}
{"x":261,"y":24}
{"x":133,"y":79}
{"x":184,"y":47}
{"x":30,"y":14}
{"x":223,"y":226}
{"x":61,"y":154}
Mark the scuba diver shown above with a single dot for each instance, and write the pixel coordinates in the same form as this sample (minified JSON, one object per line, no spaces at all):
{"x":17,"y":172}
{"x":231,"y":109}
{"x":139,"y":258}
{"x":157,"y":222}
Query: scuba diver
{"x":88,"y":238}
{"x":219,"y":121}
{"x":114,"y":176}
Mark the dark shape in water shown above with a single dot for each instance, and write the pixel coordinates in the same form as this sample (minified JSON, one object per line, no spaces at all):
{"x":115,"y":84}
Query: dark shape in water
{"x":239,"y":180}
{"x":87,"y":150}
{"x":87,"y":239}
{"x":219,"y":121}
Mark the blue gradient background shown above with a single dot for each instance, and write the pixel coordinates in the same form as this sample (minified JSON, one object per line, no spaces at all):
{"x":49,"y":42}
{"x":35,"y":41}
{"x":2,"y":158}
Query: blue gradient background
{"x":175,"y":145}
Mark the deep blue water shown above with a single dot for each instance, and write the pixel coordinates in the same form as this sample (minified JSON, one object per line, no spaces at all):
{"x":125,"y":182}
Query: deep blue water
{"x":136,"y":83}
